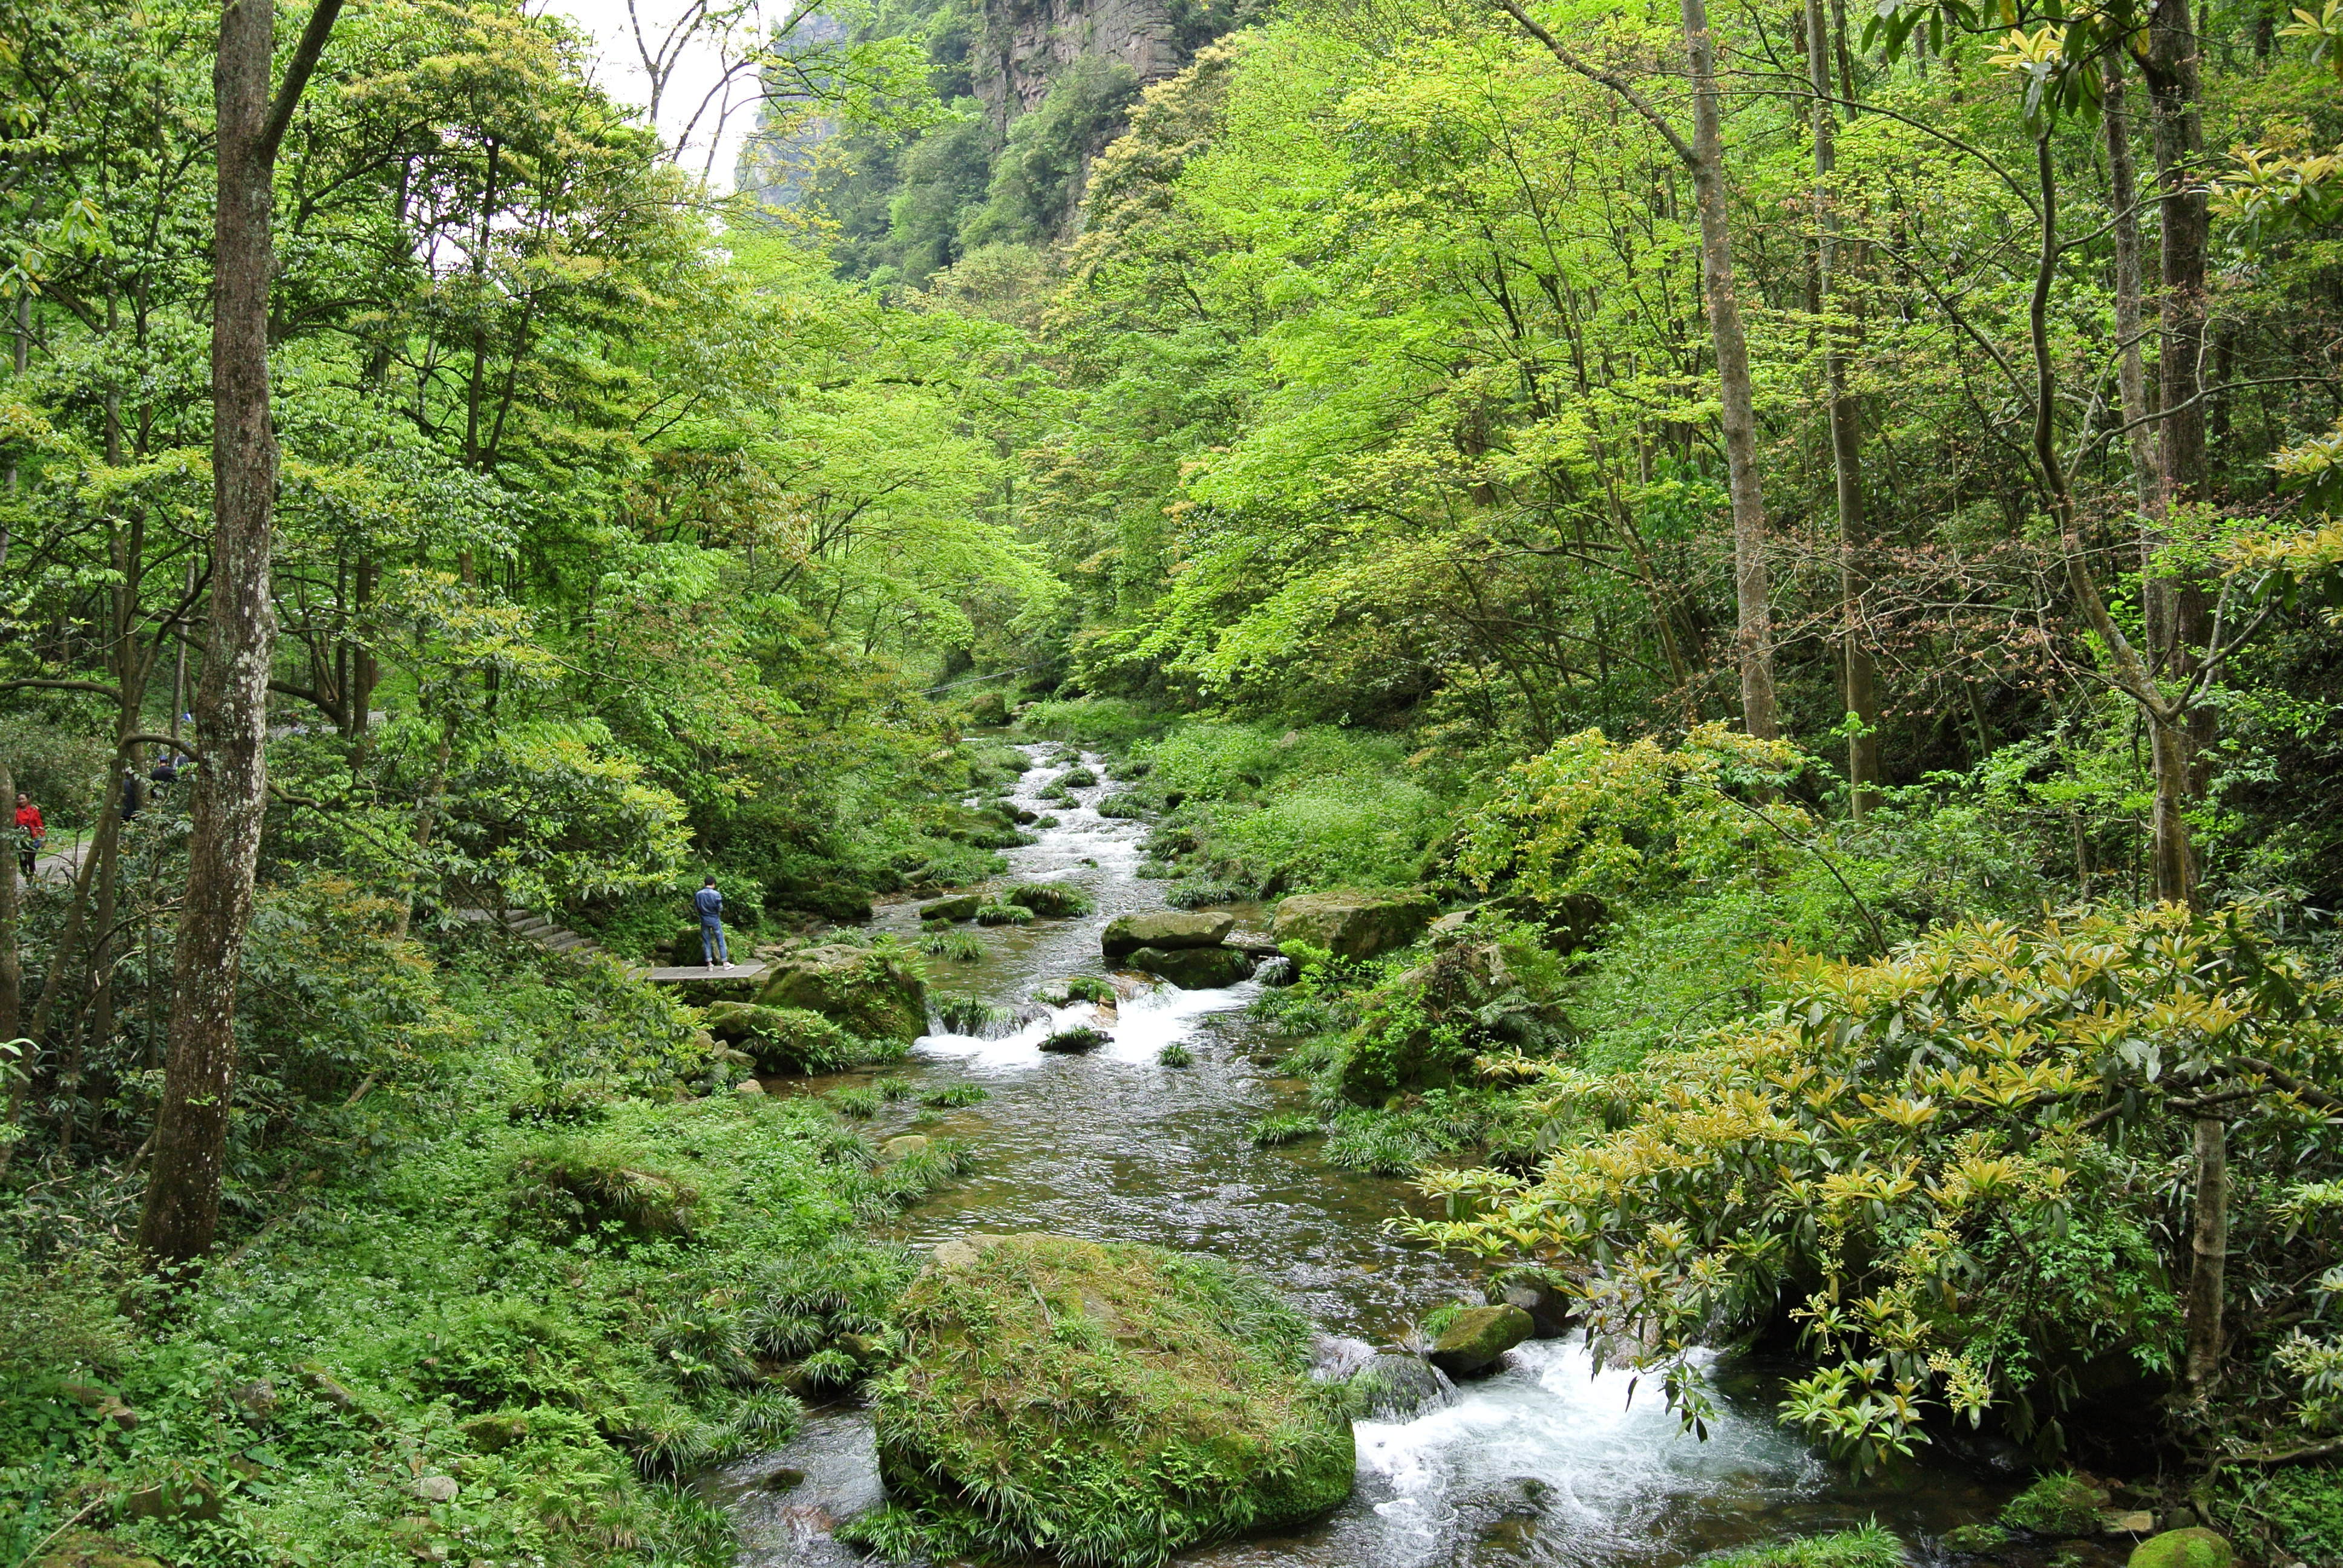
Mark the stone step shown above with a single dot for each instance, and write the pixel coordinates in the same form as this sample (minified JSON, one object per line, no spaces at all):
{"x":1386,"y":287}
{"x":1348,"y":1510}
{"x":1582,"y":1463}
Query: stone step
{"x":562,"y":941}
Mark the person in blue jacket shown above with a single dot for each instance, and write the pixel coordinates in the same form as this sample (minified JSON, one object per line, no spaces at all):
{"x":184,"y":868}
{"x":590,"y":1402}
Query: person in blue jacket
{"x":711,"y":905}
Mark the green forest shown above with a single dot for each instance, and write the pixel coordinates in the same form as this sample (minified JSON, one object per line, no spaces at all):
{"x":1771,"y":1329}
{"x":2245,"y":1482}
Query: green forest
{"x":1411,"y":718}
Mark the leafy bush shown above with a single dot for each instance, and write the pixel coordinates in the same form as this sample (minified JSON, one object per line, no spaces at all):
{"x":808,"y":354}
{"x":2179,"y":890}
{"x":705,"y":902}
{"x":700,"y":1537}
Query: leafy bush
{"x":583,"y":1185}
{"x":1961,"y":1147}
{"x":1097,"y":722}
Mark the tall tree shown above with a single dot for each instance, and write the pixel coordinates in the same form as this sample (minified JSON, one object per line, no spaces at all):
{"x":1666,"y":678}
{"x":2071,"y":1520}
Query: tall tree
{"x":1702,"y":156}
{"x":181,"y":1211}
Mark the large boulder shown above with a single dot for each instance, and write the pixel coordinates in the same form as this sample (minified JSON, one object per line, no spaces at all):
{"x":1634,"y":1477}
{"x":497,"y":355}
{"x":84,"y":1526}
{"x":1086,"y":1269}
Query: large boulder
{"x":1192,"y":968}
{"x":1477,"y":1337}
{"x":1548,"y":1307}
{"x":1097,"y":1402}
{"x":2193,"y":1548}
{"x":958,"y":907}
{"x":1352,"y":924}
{"x":1165,"y":930}
{"x":874,"y":994}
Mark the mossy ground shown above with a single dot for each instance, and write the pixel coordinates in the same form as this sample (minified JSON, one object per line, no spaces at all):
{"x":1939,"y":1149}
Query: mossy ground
{"x":1102,"y":1404}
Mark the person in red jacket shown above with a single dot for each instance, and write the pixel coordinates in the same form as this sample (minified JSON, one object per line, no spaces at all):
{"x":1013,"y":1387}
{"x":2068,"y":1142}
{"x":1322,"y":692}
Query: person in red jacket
{"x":31,"y":830}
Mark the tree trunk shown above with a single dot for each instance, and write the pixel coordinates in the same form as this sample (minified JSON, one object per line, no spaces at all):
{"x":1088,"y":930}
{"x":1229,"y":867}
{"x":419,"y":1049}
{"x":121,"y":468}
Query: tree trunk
{"x":12,"y":968}
{"x":2208,"y":1246}
{"x":1737,"y":404}
{"x":231,"y":790}
{"x":2131,"y":365}
{"x":1860,"y":690}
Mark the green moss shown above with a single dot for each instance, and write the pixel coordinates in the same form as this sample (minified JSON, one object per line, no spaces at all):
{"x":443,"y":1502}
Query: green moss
{"x":1976,"y":1540}
{"x":2192,"y":1548}
{"x":1867,"y":1547}
{"x":1110,"y":1404}
{"x":2061,"y":1504}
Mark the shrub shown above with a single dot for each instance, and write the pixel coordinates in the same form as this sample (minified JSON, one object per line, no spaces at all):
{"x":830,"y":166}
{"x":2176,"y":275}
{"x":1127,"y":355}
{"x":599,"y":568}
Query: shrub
{"x":1091,"y":721}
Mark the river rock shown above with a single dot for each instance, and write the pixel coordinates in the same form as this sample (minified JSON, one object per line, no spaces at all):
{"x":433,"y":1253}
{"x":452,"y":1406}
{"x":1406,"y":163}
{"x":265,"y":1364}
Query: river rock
{"x":1478,"y":1338}
{"x":781,"y":1039}
{"x":748,"y":1089}
{"x":862,"y":991}
{"x":436,"y":1488}
{"x":1548,"y":1307}
{"x":1396,"y":1387}
{"x":1193,"y":969}
{"x":959,"y":907}
{"x":1095,"y":1394}
{"x":2194,"y":1548}
{"x":902,"y":1148}
{"x":1353,"y":924}
{"x":1165,"y":930}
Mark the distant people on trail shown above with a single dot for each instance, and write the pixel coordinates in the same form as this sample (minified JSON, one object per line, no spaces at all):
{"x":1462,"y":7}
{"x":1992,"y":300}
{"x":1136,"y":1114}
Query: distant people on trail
{"x":31,"y":831}
{"x":711,"y":905}
{"x":133,"y":794}
{"x":166,"y":771}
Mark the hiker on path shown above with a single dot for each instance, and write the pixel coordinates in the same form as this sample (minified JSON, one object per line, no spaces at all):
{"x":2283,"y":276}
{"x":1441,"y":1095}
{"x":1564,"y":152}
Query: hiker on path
{"x":711,"y":905}
{"x":31,"y":831}
{"x":133,"y":794}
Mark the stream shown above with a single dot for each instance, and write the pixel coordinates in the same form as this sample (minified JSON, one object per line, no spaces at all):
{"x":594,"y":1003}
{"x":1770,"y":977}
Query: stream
{"x":1549,"y":1462}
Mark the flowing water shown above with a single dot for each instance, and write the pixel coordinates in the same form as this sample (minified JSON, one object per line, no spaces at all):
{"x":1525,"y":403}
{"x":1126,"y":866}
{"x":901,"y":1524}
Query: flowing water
{"x":1549,"y":1462}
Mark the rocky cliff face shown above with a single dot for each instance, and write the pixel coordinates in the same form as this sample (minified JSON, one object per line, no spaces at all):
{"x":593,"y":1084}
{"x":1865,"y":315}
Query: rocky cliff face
{"x":1025,"y":43}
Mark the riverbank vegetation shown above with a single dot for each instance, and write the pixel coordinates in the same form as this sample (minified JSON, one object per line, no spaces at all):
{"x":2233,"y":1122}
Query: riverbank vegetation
{"x":1809,"y":536}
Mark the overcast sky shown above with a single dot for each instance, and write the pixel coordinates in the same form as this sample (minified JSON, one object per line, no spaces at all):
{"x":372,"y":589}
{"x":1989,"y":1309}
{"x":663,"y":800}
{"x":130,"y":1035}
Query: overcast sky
{"x":620,"y":72}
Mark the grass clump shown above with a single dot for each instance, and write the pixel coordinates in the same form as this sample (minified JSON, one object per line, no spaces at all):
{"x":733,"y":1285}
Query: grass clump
{"x":1174,"y":1054}
{"x":1276,"y":1131}
{"x":947,"y":1096}
{"x":1079,"y":1038}
{"x":949,"y":943}
{"x":1004,"y":915}
{"x":1123,"y":804}
{"x":1055,"y":899}
{"x":1378,"y":1145}
{"x":1102,"y":1404}
{"x":857,"y":1101}
{"x":1077,"y":778}
{"x":1092,"y":989}
{"x":1866,"y":1546}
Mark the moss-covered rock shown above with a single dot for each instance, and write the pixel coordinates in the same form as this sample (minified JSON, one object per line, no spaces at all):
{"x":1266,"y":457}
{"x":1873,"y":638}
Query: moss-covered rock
{"x":2057,"y":1505}
{"x":1163,"y":930}
{"x":2192,"y":1548}
{"x":1353,"y":924}
{"x":1193,"y":969}
{"x":958,"y":907}
{"x":789,"y":1040}
{"x":1056,"y":900}
{"x":1976,"y":1540}
{"x":1106,"y":1404}
{"x":1477,"y":1337}
{"x":875,"y":994}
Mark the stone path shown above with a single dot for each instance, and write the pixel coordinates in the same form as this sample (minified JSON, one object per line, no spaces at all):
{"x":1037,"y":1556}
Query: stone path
{"x":545,"y":933}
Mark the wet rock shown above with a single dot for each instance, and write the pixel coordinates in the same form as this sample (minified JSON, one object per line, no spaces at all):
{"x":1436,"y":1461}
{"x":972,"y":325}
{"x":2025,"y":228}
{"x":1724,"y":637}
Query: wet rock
{"x":1543,"y":1300}
{"x":1353,"y":924}
{"x":2128,"y":1521}
{"x":1397,"y":1387}
{"x":258,"y":1399}
{"x":1260,"y":944}
{"x":1176,"y":1357}
{"x":1478,"y":1338}
{"x":785,"y":1479}
{"x":860,"y":990}
{"x":959,"y":907}
{"x":495,"y":1434}
{"x":902,"y":1148}
{"x":1163,"y":930}
{"x":2193,"y":1548}
{"x":1193,"y":969}
{"x":1976,"y":1540}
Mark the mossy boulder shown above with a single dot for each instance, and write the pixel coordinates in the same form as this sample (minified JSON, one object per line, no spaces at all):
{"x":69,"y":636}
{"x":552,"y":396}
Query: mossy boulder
{"x":1351,"y":923}
{"x":2193,"y":1548}
{"x":1056,"y":900}
{"x":959,"y":907}
{"x":877,"y":995}
{"x":1099,"y":1403}
{"x":1976,"y":1540}
{"x":2057,"y":1505}
{"x":1193,"y":969}
{"x":1164,"y":930}
{"x":1477,"y":1337}
{"x":786,"y":1040}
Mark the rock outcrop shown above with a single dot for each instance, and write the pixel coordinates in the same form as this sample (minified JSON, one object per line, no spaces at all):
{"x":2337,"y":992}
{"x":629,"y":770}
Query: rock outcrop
{"x":1164,"y":930}
{"x":1094,"y":1394}
{"x":1353,"y":924}
{"x":863,"y":992}
{"x":1477,"y":1337}
{"x":1193,"y":969}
